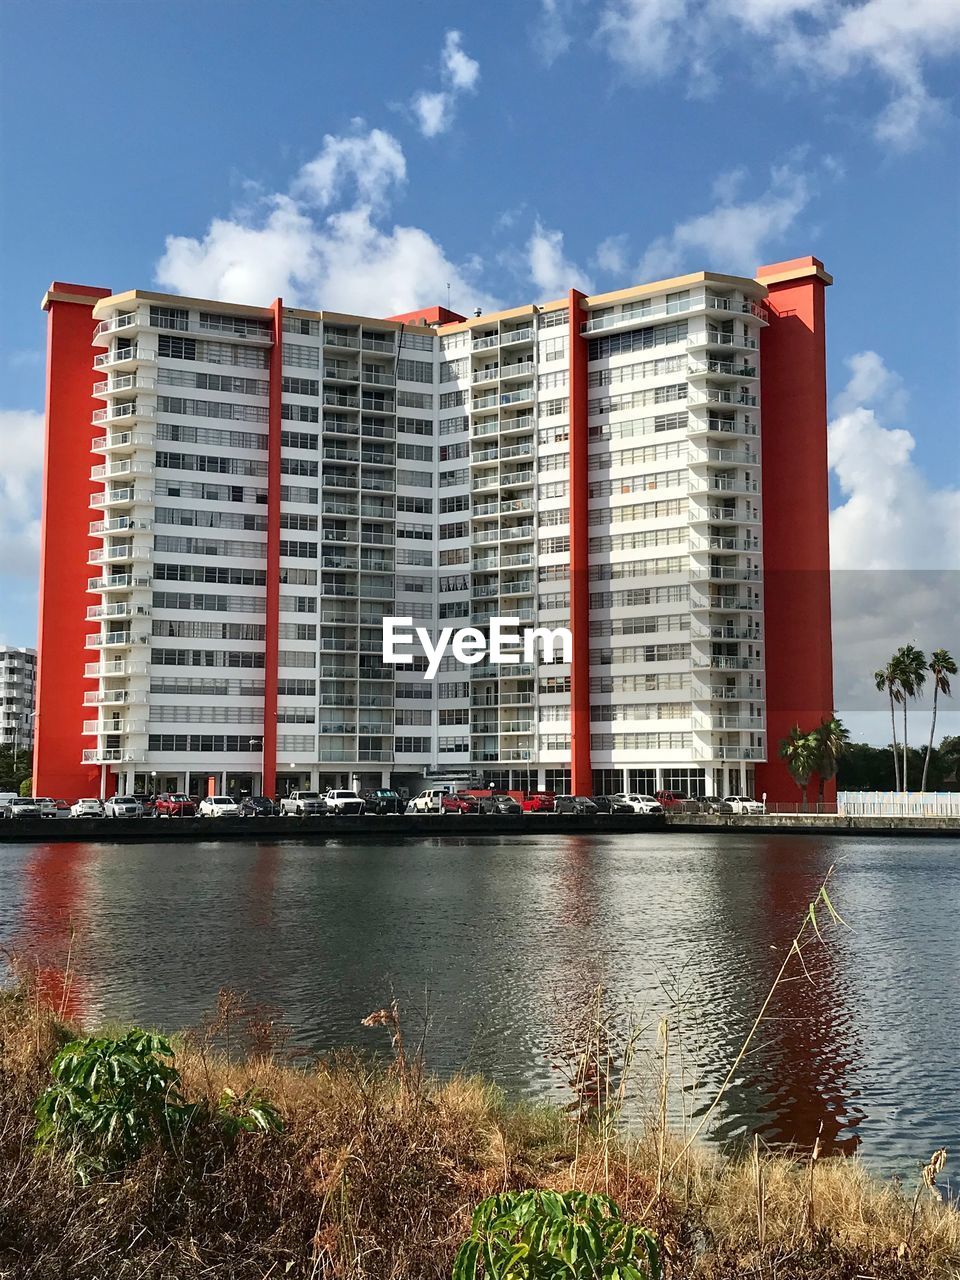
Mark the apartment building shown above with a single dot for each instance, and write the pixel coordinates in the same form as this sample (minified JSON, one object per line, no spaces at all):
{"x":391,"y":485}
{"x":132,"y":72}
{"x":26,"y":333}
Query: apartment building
{"x":236,"y":496}
{"x":18,"y":681}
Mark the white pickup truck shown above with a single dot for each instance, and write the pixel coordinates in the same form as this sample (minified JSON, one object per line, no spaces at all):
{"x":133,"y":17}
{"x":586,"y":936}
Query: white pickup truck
{"x":303,"y":804}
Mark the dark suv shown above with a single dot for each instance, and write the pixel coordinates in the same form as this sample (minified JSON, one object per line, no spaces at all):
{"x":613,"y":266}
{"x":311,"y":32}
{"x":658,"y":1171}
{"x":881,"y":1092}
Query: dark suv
{"x":500,"y":804}
{"x":258,"y":807}
{"x":384,"y":801}
{"x":576,"y":804}
{"x":174,"y":804}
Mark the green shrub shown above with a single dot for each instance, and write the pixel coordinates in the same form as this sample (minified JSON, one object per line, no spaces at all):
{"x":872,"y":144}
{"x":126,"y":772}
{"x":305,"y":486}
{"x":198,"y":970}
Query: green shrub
{"x":548,"y":1235}
{"x":111,"y":1099}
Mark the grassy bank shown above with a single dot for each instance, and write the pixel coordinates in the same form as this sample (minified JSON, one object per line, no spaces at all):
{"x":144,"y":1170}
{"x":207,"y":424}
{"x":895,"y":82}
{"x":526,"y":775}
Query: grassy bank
{"x":376,"y":1170}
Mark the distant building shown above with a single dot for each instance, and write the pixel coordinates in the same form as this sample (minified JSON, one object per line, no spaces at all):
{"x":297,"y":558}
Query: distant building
{"x":18,"y":684}
{"x":237,"y":495}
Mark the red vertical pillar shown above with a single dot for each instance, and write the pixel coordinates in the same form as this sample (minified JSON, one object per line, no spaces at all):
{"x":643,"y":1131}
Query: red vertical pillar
{"x":272,"y":640}
{"x":581,"y":773}
{"x":65,"y":544}
{"x":796,"y":513}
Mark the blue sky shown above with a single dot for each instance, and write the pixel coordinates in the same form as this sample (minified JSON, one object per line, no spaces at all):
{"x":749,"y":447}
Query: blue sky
{"x":361,"y":156}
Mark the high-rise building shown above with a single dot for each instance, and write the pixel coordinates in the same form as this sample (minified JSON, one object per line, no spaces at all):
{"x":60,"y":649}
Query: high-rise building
{"x":18,"y":682}
{"x":236,"y":496}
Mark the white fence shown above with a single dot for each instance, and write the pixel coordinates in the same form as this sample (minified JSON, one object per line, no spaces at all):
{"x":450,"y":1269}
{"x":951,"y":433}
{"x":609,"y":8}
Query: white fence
{"x":898,"y":804}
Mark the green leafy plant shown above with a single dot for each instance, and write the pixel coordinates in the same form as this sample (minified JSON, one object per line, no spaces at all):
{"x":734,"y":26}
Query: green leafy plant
{"x":549,"y":1235}
{"x":111,"y":1098}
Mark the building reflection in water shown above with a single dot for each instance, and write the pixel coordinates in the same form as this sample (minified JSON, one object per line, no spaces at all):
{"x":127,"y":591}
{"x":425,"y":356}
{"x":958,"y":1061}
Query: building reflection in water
{"x":798,"y":1082}
{"x":53,"y":919}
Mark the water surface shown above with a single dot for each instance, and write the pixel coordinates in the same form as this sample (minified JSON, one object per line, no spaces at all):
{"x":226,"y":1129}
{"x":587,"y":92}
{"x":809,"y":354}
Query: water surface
{"x":500,"y":939}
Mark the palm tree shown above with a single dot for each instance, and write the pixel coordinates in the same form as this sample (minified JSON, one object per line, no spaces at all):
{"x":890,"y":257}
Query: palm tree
{"x":941,"y":667}
{"x":799,"y":752}
{"x":886,"y":679}
{"x":910,"y":665}
{"x":831,"y":738}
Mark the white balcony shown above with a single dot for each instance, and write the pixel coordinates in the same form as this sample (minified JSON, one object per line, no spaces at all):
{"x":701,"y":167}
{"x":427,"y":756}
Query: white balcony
{"x":516,"y":336}
{"x":519,"y":369}
{"x":116,"y":470}
{"x":123,"y":383}
{"x":112,"y":755}
{"x":122,"y":411}
{"x":484,"y":344}
{"x":639,"y":312}
{"x":121,"y":524}
{"x":113,"y":667}
{"x":125,"y":357}
{"x":517,"y":396}
{"x":104,"y":727}
{"x":486,"y":375}
{"x":119,"y":582}
{"x":722,"y":368}
{"x":118,"y":640}
{"x":126,"y":497}
{"x":127,"y":320}
{"x":120,"y":442}
{"x":118,"y":555}
{"x":114,"y":697}
{"x":121,"y":609}
{"x":738,"y":342}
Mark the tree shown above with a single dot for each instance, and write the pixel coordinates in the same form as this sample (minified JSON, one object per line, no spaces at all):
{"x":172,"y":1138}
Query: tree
{"x":941,"y":667}
{"x":799,"y":751}
{"x":910,"y":666}
{"x":831,"y":738}
{"x":886,"y":679}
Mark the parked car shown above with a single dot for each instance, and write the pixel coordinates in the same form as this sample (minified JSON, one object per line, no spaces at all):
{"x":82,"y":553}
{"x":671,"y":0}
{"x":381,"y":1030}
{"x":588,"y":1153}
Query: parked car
{"x":21,"y":807}
{"x":123,"y":807}
{"x":744,"y":804}
{"x":471,"y":800}
{"x":384,"y":801}
{"x":176,"y":804}
{"x":432,"y":799}
{"x":538,"y":802}
{"x":87,"y":808}
{"x":611,"y":804}
{"x":638,"y":803}
{"x":258,"y":807}
{"x":344,"y":802}
{"x":500,"y":804}
{"x":576,"y":804}
{"x":303,"y":804}
{"x":713,"y":804}
{"x":671,"y":800}
{"x":47,"y":807}
{"x":219,"y":807}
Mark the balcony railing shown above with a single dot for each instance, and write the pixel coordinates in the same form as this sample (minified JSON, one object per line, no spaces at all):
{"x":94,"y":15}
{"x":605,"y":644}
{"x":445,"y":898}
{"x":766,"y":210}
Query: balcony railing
{"x":697,"y":302}
{"x":486,"y":375}
{"x":515,"y":397}
{"x":517,"y":335}
{"x":125,"y":382}
{"x":119,"y":497}
{"x":123,"y":356}
{"x":484,"y":344}
{"x":112,"y":755}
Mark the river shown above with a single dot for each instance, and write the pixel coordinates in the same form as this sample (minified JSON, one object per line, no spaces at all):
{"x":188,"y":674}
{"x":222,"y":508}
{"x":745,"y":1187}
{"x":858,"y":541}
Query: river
{"x":497,"y":942}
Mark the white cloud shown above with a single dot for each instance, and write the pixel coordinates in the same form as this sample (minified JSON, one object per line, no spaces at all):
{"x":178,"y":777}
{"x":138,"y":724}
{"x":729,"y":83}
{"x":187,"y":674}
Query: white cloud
{"x":887,"y":39}
{"x":890,"y":516}
{"x":434,"y":110}
{"x":371,"y":161}
{"x":348,"y":255}
{"x":462,"y":71}
{"x":551,"y":34}
{"x":611,"y":254}
{"x":894,"y":545}
{"x":550,"y":271}
{"x":732,"y":236}
{"x":21,"y":443}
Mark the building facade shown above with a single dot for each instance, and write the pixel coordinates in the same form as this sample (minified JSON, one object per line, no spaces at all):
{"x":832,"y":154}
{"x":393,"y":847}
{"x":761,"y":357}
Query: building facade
{"x":236,"y":496}
{"x":18,"y":684}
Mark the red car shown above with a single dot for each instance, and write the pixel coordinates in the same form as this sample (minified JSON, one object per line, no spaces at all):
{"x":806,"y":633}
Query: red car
{"x":174,"y":804}
{"x":671,"y":799}
{"x":458,"y":803}
{"x":538,"y":802}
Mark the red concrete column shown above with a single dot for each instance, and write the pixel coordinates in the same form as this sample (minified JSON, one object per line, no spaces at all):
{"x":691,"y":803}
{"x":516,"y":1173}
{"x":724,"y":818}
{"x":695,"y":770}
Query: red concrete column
{"x":65,"y":545}
{"x":272,"y":642}
{"x":796,"y":514}
{"x":581,"y":773}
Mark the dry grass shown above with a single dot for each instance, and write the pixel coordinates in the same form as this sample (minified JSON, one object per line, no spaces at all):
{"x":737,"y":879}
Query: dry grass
{"x":378,"y":1168}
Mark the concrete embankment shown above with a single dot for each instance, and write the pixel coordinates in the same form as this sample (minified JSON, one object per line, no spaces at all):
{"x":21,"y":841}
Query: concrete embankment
{"x":316,"y":830}
{"x":814,"y":824}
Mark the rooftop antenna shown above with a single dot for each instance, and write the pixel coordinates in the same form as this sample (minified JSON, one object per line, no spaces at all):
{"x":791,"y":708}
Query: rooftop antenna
{"x":478,"y":311}
{"x":448,"y":295}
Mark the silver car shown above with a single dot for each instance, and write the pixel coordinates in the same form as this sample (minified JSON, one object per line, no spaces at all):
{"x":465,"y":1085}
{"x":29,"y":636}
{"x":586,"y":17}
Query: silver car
{"x":123,"y":807}
{"x":21,"y":807}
